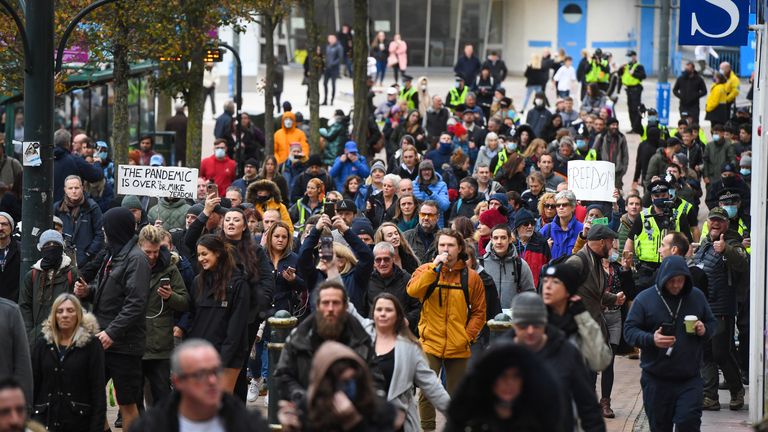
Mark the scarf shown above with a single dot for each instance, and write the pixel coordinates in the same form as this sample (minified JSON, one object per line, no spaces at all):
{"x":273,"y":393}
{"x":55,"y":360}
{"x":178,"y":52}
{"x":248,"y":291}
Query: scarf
{"x":72,"y":207}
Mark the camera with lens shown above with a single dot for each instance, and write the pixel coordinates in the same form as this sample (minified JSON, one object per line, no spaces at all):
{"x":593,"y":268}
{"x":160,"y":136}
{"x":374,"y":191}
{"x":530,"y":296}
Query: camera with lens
{"x":667,"y":221}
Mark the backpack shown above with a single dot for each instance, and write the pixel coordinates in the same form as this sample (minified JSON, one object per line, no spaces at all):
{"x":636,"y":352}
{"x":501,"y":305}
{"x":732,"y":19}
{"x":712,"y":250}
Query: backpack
{"x":518,"y":269}
{"x":464,"y":281}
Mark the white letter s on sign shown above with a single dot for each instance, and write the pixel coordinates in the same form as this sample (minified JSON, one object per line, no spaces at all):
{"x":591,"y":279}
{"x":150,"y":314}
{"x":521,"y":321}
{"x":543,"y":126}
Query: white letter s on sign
{"x":733,"y":14}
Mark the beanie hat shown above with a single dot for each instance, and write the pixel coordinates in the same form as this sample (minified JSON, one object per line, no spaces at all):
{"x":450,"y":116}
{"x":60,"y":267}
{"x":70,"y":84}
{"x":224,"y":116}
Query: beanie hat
{"x":131,"y":202}
{"x":492,"y":217}
{"x":598,"y":207}
{"x":746,"y":161}
{"x":378,"y":165}
{"x":567,"y":274}
{"x":528,"y":308}
{"x":457,"y":130}
{"x":49,"y":236}
{"x":426,"y":164}
{"x":195,"y":209}
{"x":10,"y":219}
{"x":362,"y":226}
{"x":682,"y":159}
{"x":522,"y":217}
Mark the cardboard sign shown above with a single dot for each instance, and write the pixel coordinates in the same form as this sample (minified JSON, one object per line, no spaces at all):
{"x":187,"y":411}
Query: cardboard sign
{"x":157,"y":181}
{"x":592,"y":180}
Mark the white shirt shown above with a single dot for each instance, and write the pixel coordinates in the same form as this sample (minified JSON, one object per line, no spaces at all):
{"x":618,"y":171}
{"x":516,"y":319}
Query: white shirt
{"x":564,"y":77}
{"x":703,"y":52}
{"x":215,"y":424}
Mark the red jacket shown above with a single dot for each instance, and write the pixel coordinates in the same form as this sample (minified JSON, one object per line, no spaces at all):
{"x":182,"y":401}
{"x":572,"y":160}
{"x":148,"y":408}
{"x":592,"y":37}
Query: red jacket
{"x":536,"y":254}
{"x":222,"y":172}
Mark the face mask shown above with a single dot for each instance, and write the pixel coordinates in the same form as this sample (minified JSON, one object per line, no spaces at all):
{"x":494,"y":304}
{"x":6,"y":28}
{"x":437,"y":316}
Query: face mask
{"x":349,"y":387}
{"x":51,"y":257}
{"x":614,"y":256}
{"x":424,"y":87}
{"x":538,"y":102}
{"x":732,"y":210}
{"x":745,"y":171}
{"x":659,"y":202}
{"x":458,"y":84}
{"x":715,"y":137}
{"x":512,"y":146}
{"x":653,"y":119}
{"x":581,"y":144}
{"x":672,"y":193}
{"x":103,"y":155}
{"x":728,"y":181}
{"x":446,"y":145}
{"x":288,"y":123}
{"x":219,"y":153}
{"x":261,"y":198}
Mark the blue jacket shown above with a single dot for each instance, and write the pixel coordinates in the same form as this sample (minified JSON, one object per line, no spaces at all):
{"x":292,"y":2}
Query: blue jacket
{"x":647,"y":314}
{"x":438,"y":192}
{"x":86,"y":233}
{"x":66,"y":164}
{"x":563,"y":240}
{"x":341,"y":170}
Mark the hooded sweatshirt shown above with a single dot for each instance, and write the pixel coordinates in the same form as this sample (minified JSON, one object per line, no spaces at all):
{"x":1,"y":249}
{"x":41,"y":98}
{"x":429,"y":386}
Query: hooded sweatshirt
{"x":287,"y":135}
{"x":119,"y":227}
{"x":649,"y":312}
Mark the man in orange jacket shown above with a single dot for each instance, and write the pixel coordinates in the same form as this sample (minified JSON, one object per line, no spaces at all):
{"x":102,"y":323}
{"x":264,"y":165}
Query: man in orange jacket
{"x":453,"y":311}
{"x":287,"y":135}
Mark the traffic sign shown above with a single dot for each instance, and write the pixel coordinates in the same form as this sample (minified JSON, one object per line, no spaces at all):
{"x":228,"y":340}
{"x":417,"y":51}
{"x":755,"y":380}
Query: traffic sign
{"x":714,"y":22}
{"x":214,"y":55}
{"x":663,"y":91}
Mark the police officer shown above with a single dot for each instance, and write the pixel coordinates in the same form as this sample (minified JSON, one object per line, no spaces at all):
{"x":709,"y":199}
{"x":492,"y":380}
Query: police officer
{"x":653,"y":120}
{"x":457,"y":95}
{"x":648,"y":230}
{"x":632,"y":74}
{"x":599,"y":71}
{"x":409,"y":93}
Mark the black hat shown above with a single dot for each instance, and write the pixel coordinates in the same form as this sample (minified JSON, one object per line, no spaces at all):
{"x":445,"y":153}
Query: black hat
{"x":502,"y":90}
{"x":252,"y":162}
{"x":522,"y":216}
{"x":362,"y":226}
{"x":601,"y":232}
{"x":287,"y":106}
{"x":460,"y":77}
{"x":631,"y":53}
{"x":505,"y":102}
{"x":611,"y":121}
{"x":728,"y":167}
{"x":407,"y":78}
{"x":728,"y":196}
{"x":315,"y":160}
{"x":346,"y":205}
{"x":567,"y":274}
{"x":460,"y":108}
{"x":658,"y":186}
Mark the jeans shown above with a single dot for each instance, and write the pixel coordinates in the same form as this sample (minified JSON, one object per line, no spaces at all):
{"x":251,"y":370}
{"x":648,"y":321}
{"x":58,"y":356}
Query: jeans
{"x":454,"y":371}
{"x":529,"y":90}
{"x":381,"y":71}
{"x":671,"y":403}
{"x":330,"y":74}
{"x":718,"y":353}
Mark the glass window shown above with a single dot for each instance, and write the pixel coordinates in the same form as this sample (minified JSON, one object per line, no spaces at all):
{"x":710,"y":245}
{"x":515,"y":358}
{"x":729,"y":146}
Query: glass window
{"x":442,"y":32}
{"x":473,"y":21}
{"x":496,"y":32}
{"x":413,"y":24}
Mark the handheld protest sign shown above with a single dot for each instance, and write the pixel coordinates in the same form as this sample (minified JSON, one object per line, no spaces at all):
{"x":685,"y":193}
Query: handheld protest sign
{"x":592,"y":180}
{"x":157,"y":181}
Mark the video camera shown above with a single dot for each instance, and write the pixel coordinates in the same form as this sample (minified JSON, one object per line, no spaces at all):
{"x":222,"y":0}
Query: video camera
{"x":667,"y":222}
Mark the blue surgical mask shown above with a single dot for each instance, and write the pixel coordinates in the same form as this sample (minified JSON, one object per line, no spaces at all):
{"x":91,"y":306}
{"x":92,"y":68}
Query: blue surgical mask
{"x":715,"y":137}
{"x":614,"y":257}
{"x":512,"y":147}
{"x":653,"y":119}
{"x":581,"y":144}
{"x":732,"y":210}
{"x":219,"y":153}
{"x":103,"y":155}
{"x":745,"y":171}
{"x":672,"y":193}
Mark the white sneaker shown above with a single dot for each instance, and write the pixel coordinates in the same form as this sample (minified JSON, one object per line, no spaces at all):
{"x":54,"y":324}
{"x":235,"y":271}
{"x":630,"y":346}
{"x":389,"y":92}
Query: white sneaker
{"x":266,"y":401}
{"x":253,"y":390}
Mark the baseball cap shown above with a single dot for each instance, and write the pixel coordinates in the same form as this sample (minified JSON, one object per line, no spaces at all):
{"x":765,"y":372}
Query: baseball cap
{"x":350,"y":147}
{"x":718,"y":213}
{"x":346,"y":205}
{"x":601,"y":232}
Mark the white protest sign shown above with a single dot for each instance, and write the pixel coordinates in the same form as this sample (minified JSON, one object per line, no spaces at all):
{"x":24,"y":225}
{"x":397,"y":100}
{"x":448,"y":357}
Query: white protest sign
{"x":592,"y":180}
{"x":157,"y":181}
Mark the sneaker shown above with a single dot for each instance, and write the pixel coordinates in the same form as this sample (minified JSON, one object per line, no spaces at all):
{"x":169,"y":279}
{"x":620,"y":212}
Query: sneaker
{"x":737,"y":401}
{"x":263,"y":389}
{"x":710,"y":404}
{"x":253,"y":390}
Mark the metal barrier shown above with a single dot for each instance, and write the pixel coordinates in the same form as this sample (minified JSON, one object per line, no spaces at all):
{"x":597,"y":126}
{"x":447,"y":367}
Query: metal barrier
{"x":280,"y":327}
{"x":731,"y":55}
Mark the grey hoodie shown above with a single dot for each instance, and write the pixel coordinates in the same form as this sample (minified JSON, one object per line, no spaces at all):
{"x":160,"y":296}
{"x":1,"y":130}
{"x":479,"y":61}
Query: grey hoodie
{"x":502,"y":270}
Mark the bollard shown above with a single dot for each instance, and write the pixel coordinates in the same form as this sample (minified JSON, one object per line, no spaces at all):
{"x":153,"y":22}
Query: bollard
{"x":280,"y":327}
{"x":499,"y":325}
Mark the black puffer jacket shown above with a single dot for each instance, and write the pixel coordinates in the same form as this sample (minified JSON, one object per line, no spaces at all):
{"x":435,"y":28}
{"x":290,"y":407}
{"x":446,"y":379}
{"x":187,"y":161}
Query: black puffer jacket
{"x":69,"y":391}
{"x":120,"y":300}
{"x":722,"y":271}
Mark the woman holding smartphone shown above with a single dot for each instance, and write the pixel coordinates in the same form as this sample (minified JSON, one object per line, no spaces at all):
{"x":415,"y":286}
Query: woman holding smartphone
{"x":167,"y":295}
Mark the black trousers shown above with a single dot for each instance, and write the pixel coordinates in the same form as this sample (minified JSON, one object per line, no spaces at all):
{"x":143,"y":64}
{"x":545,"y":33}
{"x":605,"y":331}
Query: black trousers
{"x":718,"y":353}
{"x":210,"y":92}
{"x":634,"y":98}
{"x":241,"y":386}
{"x":158,"y":374}
{"x":671,"y":403}
{"x":692,"y":110}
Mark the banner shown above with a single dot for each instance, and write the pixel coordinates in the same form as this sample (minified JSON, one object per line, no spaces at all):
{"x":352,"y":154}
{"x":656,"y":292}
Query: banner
{"x":592,"y":180}
{"x":157,"y":181}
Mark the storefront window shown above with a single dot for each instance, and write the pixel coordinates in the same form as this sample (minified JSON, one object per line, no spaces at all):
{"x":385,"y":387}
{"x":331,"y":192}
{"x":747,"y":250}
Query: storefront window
{"x":413,"y":24}
{"x":442,"y":32}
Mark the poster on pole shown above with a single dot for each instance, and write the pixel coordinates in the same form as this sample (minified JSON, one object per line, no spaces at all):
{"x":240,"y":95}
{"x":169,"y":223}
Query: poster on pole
{"x":157,"y":181}
{"x":592,"y":180}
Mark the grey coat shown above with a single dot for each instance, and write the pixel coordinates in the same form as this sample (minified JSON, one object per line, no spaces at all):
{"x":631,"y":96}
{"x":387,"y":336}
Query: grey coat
{"x":619,"y":155}
{"x":502,"y":270}
{"x":15,"y":360}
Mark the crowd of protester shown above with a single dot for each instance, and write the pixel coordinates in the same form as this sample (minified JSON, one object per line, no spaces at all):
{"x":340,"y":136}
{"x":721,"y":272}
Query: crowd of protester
{"x":393,"y":255}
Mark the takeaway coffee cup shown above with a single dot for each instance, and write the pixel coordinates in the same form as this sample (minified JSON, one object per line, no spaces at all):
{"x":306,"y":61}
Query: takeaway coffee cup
{"x":690,"y":322}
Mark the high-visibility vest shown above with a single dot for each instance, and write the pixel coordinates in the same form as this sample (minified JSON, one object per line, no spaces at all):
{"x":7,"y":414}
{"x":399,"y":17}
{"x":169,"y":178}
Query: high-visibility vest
{"x":663,"y":129}
{"x":741,"y":229}
{"x":407,"y":95}
{"x":456,"y":97}
{"x":502,"y":159}
{"x":648,"y":242}
{"x":596,"y":73}
{"x":627,"y":79}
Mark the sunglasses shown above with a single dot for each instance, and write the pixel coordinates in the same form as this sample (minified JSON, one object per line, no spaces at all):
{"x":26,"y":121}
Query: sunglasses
{"x":526,"y":224}
{"x":549,"y":206}
{"x":562,"y":205}
{"x":428,"y":215}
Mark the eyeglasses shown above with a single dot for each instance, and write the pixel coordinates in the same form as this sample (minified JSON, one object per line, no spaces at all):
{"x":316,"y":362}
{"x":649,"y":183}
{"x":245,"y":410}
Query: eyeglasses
{"x":561,"y":205}
{"x":382,"y":260}
{"x":202,"y":374}
{"x":526,"y":224}
{"x":428,"y":215}
{"x":549,"y":206}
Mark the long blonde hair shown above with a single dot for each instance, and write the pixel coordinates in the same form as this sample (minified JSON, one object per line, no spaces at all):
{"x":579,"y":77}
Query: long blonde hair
{"x":536,"y":61}
{"x":404,"y":247}
{"x":51,"y":321}
{"x":344,"y":252}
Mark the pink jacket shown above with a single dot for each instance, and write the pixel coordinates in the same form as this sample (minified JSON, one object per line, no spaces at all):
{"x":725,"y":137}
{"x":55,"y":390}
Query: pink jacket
{"x":398,"y":54}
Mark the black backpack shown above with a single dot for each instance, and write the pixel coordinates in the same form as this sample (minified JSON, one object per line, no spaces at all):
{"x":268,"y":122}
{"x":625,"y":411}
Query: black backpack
{"x":464,"y":281}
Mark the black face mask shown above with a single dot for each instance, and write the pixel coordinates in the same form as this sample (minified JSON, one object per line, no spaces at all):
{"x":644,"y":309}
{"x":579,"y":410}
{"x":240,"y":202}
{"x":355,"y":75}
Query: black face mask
{"x":729,"y":181}
{"x":51,"y":257}
{"x":262,"y":199}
